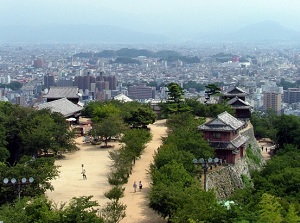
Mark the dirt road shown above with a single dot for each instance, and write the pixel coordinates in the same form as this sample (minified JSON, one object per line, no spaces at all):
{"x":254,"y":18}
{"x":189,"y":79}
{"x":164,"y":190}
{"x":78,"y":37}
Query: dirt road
{"x":137,"y":203}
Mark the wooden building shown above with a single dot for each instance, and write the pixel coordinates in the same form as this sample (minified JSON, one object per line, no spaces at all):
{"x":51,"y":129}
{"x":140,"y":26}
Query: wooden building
{"x":242,"y":108}
{"x":55,"y":93}
{"x":233,"y":92}
{"x":223,"y":135}
{"x":235,"y":97}
{"x":63,"y":106}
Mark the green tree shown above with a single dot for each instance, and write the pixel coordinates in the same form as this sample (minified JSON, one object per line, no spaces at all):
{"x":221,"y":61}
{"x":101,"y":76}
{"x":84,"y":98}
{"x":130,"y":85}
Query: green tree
{"x":292,"y":215}
{"x":212,"y":89}
{"x":42,"y":170}
{"x":269,"y":209}
{"x":288,"y":130}
{"x":200,"y":206}
{"x":176,"y":102}
{"x":107,"y":128}
{"x":113,"y":212}
{"x":104,"y":111}
{"x":115,"y":193}
{"x":141,"y":117}
{"x":167,"y":194}
{"x":81,"y":210}
{"x":175,"y":92}
{"x":135,"y":141}
{"x":29,"y":210}
{"x":169,"y":153}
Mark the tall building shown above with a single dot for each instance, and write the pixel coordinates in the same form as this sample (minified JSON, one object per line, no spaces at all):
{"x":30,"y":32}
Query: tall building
{"x":141,"y":92}
{"x":64,"y":83}
{"x":20,"y":100}
{"x":84,"y":82}
{"x":112,"y":80}
{"x":38,"y":63}
{"x":291,"y":95}
{"x":49,"y":81}
{"x":272,"y":101}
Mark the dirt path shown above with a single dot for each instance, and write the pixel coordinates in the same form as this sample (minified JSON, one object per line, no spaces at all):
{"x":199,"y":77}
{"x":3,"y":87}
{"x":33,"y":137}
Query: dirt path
{"x":267,"y":149}
{"x":71,"y":183}
{"x":137,"y":203}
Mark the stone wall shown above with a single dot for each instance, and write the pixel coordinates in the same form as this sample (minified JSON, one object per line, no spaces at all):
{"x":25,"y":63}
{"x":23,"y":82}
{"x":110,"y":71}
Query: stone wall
{"x":229,"y":178}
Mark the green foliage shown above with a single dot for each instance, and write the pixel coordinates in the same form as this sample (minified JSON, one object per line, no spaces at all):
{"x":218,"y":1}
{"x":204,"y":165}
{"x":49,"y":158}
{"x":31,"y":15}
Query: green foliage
{"x":103,"y":111}
{"x":280,"y":177}
{"x":175,"y":92}
{"x":14,"y":85}
{"x":81,"y":210}
{"x":40,"y":210}
{"x":135,"y":141}
{"x":118,"y":176}
{"x":175,"y":103}
{"x":42,"y":170}
{"x":168,"y":153}
{"x":46,"y":131}
{"x":194,"y":84}
{"x":171,"y":173}
{"x":288,"y":130}
{"x":141,"y":117}
{"x":275,"y":194}
{"x":292,"y":215}
{"x":208,"y":110}
{"x":115,"y":193}
{"x":4,"y":154}
{"x":270,"y":209}
{"x":35,"y":210}
{"x":200,"y":206}
{"x":286,"y":84}
{"x":187,"y":137}
{"x":246,"y":180}
{"x":125,"y":60}
{"x":252,"y":156}
{"x":212,"y":89}
{"x":175,"y":193}
{"x":107,"y":128}
{"x":113,"y":212}
{"x":29,"y":131}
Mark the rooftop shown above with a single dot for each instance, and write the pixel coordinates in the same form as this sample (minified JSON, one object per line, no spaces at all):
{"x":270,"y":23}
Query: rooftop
{"x":63,"y":106}
{"x":62,"y":92}
{"x":223,"y":122}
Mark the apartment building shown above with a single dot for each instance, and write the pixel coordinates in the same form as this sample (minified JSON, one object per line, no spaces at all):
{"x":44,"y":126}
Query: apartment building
{"x":272,"y":101}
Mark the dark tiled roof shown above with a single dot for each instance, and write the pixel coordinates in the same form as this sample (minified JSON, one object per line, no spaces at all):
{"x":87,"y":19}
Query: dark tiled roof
{"x":238,"y":103}
{"x":223,"y":122}
{"x":235,"y":91}
{"x":232,"y":145}
{"x":62,"y":92}
{"x":63,"y":106}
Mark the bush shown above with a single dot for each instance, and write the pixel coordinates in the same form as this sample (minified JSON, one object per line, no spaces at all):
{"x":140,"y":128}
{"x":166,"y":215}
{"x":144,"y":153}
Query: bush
{"x":115,"y":193}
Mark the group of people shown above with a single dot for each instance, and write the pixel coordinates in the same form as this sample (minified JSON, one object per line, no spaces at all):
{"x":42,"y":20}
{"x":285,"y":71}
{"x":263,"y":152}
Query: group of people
{"x":135,"y":186}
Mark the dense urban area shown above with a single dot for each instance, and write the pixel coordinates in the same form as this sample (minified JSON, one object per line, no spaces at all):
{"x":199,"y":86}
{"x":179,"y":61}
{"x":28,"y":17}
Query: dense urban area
{"x":181,"y":133}
{"x":268,"y":74}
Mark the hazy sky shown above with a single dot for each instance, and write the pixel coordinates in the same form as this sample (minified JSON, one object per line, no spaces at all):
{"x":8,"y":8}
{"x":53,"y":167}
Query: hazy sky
{"x":150,"y":16}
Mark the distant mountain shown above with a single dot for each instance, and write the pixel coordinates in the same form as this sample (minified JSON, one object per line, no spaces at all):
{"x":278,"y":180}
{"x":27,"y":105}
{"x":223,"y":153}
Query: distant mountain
{"x":75,"y":33}
{"x":267,"y":31}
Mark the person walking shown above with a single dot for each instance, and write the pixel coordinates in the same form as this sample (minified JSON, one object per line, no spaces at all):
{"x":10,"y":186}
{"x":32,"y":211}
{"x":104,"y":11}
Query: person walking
{"x":84,"y":174}
{"x":134,"y":186}
{"x":140,"y":185}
